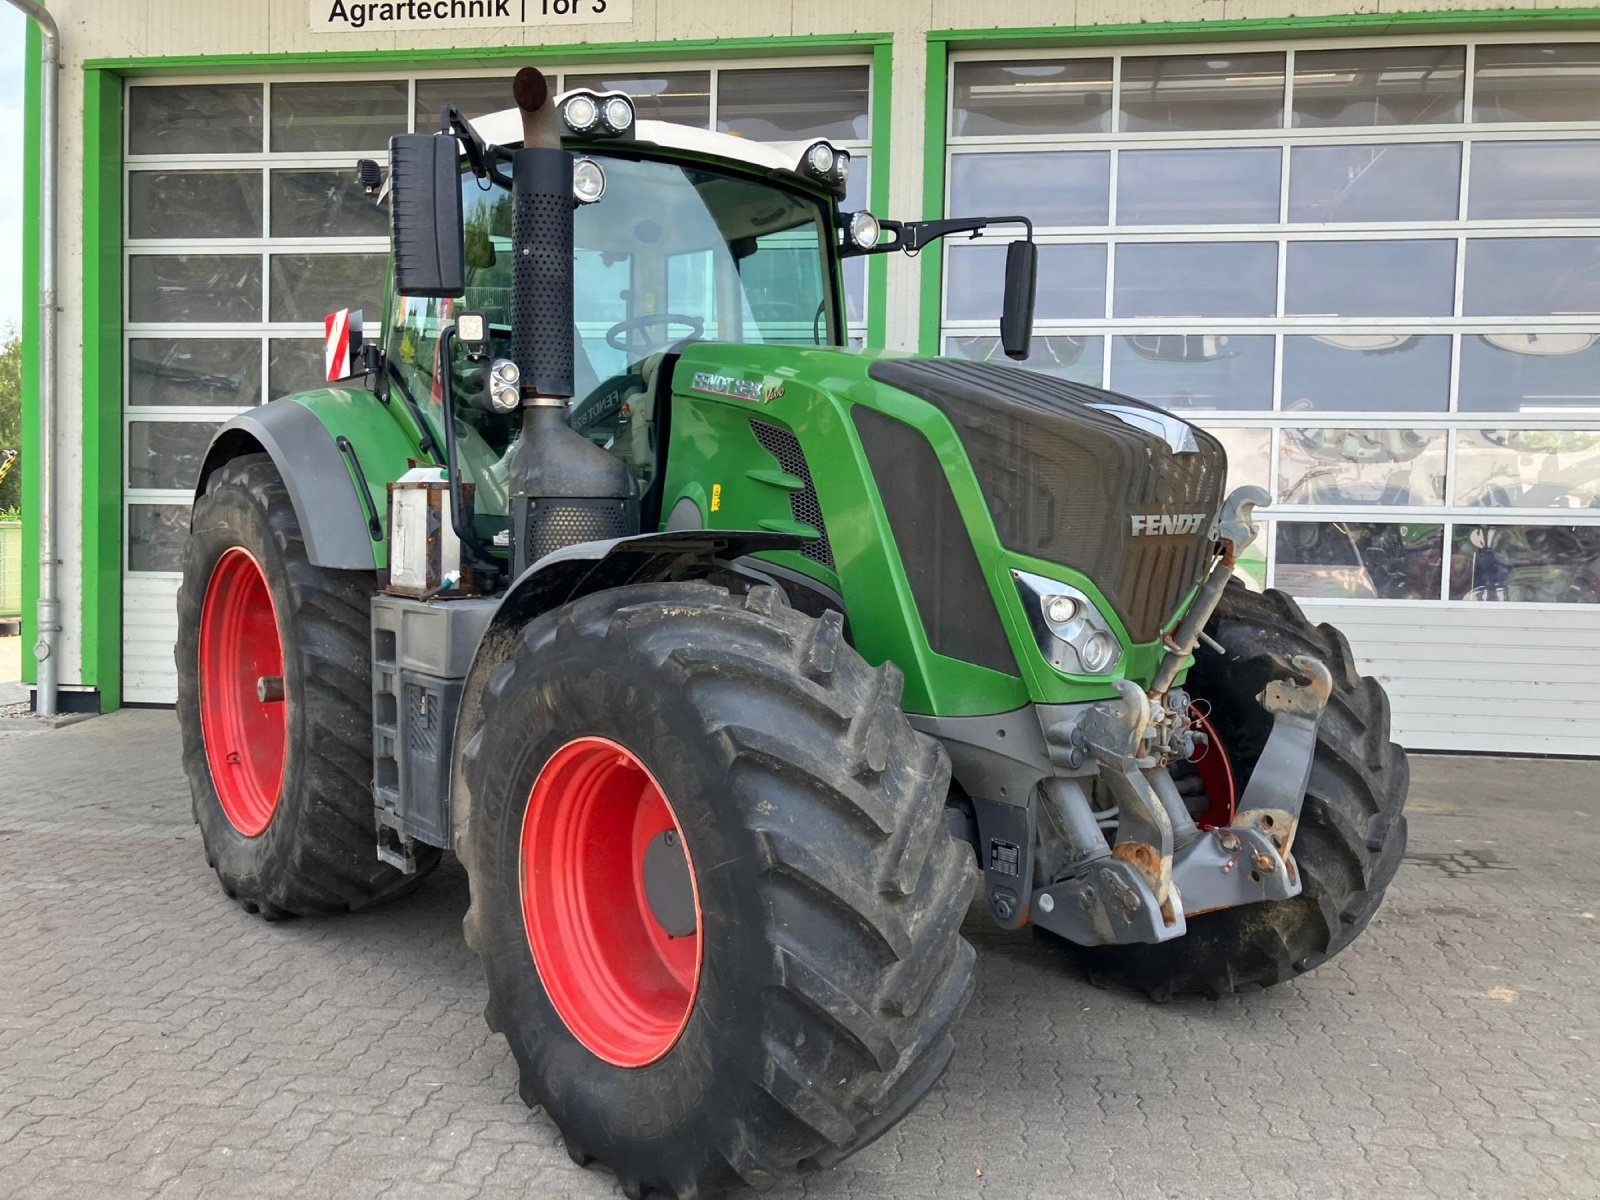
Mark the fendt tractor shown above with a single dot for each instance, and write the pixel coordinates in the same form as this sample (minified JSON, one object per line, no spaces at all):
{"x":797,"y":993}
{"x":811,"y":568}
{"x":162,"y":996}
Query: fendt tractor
{"x":730,"y":660}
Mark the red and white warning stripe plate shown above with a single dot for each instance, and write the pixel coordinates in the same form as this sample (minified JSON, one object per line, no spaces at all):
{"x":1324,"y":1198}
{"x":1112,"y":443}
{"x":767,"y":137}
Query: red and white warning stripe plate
{"x":341,"y":331}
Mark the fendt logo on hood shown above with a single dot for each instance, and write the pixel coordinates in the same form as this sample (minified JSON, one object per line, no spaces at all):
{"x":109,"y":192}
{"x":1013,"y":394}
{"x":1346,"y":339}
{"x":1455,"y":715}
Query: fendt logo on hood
{"x":1161,"y":524}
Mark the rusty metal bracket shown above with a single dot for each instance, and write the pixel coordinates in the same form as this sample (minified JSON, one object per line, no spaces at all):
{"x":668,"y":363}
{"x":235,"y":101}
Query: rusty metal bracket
{"x":1230,"y":867}
{"x":1107,"y":903}
{"x":1277,"y":787}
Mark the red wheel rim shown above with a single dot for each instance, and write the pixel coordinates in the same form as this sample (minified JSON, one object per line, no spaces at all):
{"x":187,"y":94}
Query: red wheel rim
{"x":623,"y":985}
{"x":241,"y":661}
{"x":1216,"y":776}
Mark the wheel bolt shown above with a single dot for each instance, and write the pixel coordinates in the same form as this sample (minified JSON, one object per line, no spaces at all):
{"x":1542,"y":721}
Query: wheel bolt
{"x":269,"y":689}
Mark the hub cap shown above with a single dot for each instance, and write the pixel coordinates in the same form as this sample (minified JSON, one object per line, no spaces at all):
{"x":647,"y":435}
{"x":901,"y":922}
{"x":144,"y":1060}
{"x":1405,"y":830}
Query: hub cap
{"x":243,"y":717}
{"x":610,"y":902}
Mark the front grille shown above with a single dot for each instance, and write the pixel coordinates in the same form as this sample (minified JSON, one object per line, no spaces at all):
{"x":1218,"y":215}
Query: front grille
{"x":1061,"y":478}
{"x":803,"y":505}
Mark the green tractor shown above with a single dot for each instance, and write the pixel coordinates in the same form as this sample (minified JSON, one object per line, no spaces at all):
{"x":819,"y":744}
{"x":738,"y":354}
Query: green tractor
{"x":732,"y":661}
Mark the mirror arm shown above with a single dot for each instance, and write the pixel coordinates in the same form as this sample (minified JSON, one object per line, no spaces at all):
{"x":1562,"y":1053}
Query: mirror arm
{"x":915,"y":236}
{"x":483,"y":157}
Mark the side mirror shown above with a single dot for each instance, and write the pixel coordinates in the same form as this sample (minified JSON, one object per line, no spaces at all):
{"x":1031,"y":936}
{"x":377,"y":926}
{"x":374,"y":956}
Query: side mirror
{"x":1016,"y":317}
{"x":425,"y":208}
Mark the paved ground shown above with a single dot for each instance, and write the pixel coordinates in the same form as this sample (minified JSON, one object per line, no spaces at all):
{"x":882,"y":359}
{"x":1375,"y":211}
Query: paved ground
{"x":155,"y":1040}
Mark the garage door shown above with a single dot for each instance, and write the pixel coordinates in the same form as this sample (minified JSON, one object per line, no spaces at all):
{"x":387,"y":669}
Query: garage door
{"x":1373,"y":269}
{"x":245,"y":227}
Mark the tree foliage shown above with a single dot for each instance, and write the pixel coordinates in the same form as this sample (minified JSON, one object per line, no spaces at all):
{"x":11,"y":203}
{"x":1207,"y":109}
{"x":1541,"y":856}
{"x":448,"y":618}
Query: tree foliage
{"x":11,"y":415}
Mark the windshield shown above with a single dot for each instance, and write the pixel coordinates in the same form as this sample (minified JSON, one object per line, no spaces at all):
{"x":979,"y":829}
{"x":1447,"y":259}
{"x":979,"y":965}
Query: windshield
{"x":671,"y":251}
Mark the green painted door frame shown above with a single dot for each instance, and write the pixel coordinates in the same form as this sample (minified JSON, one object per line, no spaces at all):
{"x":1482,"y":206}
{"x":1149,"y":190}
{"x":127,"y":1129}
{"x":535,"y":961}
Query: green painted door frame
{"x":1112,"y":37}
{"x":100,"y":615}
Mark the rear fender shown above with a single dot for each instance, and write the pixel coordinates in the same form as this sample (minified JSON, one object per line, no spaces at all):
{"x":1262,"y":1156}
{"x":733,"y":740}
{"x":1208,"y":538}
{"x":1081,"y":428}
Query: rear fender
{"x":340,"y":499}
{"x":582,"y":570}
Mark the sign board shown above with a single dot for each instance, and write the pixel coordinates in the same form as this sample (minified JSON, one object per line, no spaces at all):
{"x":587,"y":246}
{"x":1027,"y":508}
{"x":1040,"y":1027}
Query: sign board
{"x":383,"y":16}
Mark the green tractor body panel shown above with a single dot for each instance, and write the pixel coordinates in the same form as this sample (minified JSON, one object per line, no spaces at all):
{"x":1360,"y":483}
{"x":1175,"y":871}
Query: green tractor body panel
{"x":722,"y":397}
{"x":384,"y":441}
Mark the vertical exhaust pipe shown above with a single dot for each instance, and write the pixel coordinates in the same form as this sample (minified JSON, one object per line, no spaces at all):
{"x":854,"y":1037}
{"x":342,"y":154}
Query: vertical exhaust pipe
{"x":564,"y":488}
{"x":47,"y":649}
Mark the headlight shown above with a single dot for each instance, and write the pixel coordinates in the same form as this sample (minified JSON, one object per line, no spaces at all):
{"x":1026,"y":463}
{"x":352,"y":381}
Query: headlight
{"x":588,"y":181}
{"x":864,"y":230}
{"x":1098,"y":652}
{"x":820,"y":159}
{"x":841,"y":165}
{"x":580,"y":113}
{"x":504,"y":376}
{"x":1070,"y":631}
{"x":618,"y":113}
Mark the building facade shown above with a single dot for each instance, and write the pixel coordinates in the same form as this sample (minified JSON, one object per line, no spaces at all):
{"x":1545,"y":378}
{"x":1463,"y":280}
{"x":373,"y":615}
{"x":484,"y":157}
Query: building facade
{"x":1361,"y":247}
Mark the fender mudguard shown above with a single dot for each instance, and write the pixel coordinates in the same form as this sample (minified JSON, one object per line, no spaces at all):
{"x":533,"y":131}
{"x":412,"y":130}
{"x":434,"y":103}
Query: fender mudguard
{"x":581,"y":570}
{"x":342,"y":529}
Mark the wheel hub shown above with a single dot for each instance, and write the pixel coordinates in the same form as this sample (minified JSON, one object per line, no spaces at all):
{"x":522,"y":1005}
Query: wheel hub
{"x":244,"y":726}
{"x":610,"y":903}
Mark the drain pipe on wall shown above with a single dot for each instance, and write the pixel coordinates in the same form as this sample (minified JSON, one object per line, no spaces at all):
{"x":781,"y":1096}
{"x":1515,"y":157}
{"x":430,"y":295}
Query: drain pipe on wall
{"x":48,"y":613}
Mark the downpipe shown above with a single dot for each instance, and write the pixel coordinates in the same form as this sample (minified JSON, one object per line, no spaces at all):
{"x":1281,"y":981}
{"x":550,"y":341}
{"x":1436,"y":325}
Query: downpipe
{"x":47,"y":649}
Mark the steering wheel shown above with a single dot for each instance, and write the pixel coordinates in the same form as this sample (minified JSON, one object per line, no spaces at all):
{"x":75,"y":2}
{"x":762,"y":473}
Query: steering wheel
{"x":614,"y":334}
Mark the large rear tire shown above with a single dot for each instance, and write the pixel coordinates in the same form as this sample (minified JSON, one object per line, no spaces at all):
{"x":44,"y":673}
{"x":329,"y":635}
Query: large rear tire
{"x":1352,"y":828}
{"x":282,"y":785}
{"x":805,"y":1003}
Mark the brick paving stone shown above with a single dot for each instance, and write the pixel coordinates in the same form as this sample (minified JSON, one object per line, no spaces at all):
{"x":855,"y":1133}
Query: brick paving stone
{"x":156,"y":1041}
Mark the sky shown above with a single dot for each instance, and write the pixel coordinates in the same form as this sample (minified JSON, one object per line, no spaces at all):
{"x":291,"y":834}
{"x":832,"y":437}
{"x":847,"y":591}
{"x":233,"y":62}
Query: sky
{"x":12,"y":28}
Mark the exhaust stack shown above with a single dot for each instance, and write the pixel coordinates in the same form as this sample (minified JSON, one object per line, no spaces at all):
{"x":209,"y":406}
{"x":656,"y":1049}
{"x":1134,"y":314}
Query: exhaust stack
{"x":564,"y":488}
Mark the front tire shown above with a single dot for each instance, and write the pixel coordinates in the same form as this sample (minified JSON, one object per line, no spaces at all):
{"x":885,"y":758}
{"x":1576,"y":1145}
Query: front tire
{"x":282,"y":785}
{"x":814,"y":1006}
{"x":1352,"y":829}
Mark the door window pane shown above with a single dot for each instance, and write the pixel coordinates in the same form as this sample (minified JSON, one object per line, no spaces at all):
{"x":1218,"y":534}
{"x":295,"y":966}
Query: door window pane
{"x":1532,"y":277}
{"x":1350,"y":560}
{"x":1064,"y":355}
{"x":1370,"y":279}
{"x":1195,"y":370}
{"x":1405,"y":85}
{"x":1534,"y":180}
{"x":1196,"y":279}
{"x":194,"y":204}
{"x":194,"y":287}
{"x":777,"y":104}
{"x":1202,"y":91}
{"x":295,"y":365}
{"x":209,"y":372}
{"x":1526,"y":564}
{"x":324,"y":204}
{"x":472,"y":98}
{"x":1070,"y":96}
{"x":1366,"y":372}
{"x":167,"y":454}
{"x":1198,"y":187}
{"x":338,"y":116}
{"x":1072,"y":282}
{"x":157,"y":534}
{"x":195,"y":118}
{"x":1528,"y":468}
{"x":683,"y":97}
{"x":1557,"y":373}
{"x":1537,"y":83}
{"x":307,"y":287}
{"x":1053,"y":188}
{"x":1341,"y":467}
{"x":1409,"y":181}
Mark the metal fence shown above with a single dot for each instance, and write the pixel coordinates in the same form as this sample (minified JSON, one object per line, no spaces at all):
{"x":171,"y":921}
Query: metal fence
{"x":10,"y":569}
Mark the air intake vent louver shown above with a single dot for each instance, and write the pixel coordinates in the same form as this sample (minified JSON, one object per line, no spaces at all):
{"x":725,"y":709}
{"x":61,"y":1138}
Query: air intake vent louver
{"x":803,"y":505}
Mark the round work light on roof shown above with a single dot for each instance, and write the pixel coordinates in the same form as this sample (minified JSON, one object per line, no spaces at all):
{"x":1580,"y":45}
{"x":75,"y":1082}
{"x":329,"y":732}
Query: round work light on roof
{"x":618,"y":112}
{"x":581,"y":113}
{"x":820,"y":159}
{"x":841,"y":166}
